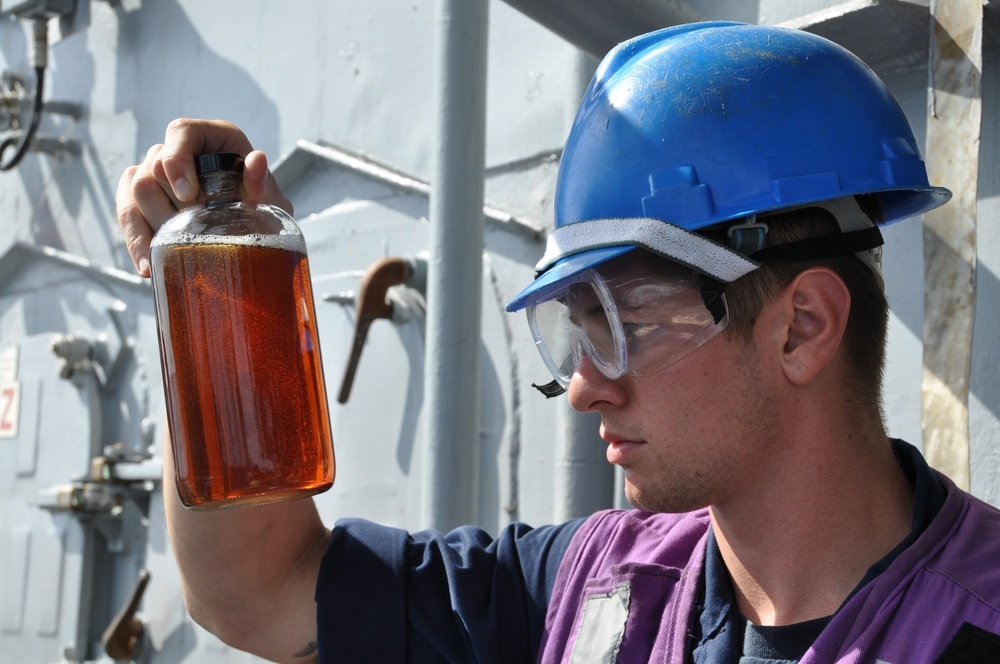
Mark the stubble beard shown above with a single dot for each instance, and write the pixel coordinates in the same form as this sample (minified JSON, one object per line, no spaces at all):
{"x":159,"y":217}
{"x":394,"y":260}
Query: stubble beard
{"x":712,"y":475}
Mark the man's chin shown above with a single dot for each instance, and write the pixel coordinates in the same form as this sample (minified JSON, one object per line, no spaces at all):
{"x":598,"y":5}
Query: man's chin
{"x":651,"y":502}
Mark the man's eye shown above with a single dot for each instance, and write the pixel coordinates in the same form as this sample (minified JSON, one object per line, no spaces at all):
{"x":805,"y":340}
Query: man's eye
{"x":639,"y":330}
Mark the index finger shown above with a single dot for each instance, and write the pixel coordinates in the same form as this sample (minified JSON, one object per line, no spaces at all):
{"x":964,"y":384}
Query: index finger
{"x":137,"y":230}
{"x":184,"y":140}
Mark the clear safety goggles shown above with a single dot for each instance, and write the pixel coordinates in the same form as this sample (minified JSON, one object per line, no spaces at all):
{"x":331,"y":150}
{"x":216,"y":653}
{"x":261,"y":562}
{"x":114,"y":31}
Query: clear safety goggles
{"x":623,"y":321}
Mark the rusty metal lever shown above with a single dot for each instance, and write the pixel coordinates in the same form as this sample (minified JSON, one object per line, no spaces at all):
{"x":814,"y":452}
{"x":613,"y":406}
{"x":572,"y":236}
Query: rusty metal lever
{"x":123,"y":637}
{"x":371,"y":305}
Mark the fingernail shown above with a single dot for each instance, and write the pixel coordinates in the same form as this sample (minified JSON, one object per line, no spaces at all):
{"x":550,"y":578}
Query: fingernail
{"x":143,"y":265}
{"x":183,"y":188}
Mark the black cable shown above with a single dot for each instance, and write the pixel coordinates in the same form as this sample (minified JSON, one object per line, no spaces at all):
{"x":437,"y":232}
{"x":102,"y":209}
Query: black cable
{"x":24,"y":141}
{"x":39,"y":61}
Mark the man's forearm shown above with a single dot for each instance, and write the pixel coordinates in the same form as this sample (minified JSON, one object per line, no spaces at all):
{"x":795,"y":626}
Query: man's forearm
{"x":249,"y":574}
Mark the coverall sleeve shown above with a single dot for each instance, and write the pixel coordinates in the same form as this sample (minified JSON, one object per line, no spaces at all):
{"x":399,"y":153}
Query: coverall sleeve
{"x":385,"y":595}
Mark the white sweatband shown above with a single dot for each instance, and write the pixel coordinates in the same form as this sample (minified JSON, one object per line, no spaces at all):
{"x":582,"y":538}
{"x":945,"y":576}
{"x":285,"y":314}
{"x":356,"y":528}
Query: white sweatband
{"x":678,"y":244}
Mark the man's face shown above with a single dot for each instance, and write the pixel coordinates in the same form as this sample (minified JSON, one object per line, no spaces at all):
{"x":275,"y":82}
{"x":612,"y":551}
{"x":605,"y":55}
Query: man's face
{"x":686,"y":435}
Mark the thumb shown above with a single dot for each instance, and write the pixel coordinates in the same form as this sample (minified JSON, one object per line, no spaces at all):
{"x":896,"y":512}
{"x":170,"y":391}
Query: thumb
{"x":260,"y":185}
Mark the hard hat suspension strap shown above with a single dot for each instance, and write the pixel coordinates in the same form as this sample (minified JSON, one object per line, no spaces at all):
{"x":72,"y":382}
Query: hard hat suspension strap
{"x":823,"y":247}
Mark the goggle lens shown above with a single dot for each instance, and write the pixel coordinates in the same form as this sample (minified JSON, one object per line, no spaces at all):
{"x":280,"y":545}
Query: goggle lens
{"x":576,"y":322}
{"x":623,"y":324}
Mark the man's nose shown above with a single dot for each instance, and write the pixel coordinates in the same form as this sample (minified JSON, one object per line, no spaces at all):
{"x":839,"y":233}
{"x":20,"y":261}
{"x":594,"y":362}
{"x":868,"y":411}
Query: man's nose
{"x":590,"y":390}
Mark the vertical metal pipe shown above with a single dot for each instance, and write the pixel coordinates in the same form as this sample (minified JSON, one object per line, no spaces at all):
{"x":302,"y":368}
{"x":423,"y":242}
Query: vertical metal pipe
{"x":454,"y":277}
{"x":584,"y":481}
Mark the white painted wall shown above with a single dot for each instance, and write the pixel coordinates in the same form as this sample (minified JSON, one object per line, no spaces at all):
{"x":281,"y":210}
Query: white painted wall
{"x":357,"y":74}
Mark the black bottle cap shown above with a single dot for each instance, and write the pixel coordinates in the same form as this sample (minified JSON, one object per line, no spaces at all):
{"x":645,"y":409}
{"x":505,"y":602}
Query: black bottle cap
{"x":213,"y":162}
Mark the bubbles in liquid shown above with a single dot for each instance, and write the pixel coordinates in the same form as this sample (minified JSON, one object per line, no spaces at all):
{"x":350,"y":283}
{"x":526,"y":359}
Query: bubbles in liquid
{"x":294,"y":243}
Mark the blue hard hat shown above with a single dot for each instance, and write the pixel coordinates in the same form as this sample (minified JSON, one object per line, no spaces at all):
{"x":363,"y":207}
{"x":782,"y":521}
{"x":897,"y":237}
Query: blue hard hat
{"x":705,"y":123}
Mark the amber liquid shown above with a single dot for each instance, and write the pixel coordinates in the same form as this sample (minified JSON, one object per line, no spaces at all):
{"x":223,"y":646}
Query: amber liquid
{"x":245,"y":396}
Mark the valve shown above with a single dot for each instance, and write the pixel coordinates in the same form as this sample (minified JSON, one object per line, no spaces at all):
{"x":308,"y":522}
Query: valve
{"x":372,"y":304}
{"x":74,"y":352}
{"x":123,"y":639}
{"x":38,"y":9}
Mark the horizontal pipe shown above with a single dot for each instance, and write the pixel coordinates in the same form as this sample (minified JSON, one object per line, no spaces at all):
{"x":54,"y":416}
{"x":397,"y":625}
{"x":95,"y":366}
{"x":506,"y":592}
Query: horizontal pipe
{"x":596,"y":26}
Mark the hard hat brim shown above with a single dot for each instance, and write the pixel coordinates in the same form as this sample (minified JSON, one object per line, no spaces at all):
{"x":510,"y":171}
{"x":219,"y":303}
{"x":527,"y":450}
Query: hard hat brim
{"x":565,"y":268}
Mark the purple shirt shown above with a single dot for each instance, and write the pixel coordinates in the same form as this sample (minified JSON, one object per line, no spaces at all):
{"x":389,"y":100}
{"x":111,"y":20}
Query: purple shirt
{"x":604,"y":610}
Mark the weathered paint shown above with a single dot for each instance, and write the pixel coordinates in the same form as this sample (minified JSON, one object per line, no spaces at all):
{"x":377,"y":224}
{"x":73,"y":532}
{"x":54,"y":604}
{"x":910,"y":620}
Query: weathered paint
{"x":953,"y":145}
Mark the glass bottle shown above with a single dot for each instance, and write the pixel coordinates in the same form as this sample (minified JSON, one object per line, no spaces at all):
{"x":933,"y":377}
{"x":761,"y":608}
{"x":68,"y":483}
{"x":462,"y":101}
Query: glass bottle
{"x":245,"y":395}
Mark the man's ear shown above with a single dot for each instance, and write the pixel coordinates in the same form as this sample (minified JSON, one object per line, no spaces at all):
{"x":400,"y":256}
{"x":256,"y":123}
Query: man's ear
{"x":819,"y":307}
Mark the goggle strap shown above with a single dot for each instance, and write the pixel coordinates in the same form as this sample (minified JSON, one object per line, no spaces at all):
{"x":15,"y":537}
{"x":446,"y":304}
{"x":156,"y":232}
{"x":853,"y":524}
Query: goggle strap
{"x":550,"y":389}
{"x":711,"y":294}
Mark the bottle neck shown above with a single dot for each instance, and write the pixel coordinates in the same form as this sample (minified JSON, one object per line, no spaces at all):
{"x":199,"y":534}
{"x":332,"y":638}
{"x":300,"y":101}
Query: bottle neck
{"x":220,"y":186}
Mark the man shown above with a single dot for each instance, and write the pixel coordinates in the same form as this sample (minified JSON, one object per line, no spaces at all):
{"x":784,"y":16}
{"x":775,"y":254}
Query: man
{"x":713,"y":289}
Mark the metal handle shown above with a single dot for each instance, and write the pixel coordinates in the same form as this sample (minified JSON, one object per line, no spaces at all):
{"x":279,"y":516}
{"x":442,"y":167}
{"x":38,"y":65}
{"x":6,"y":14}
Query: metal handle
{"x":123,"y":637}
{"x":371,"y":305}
